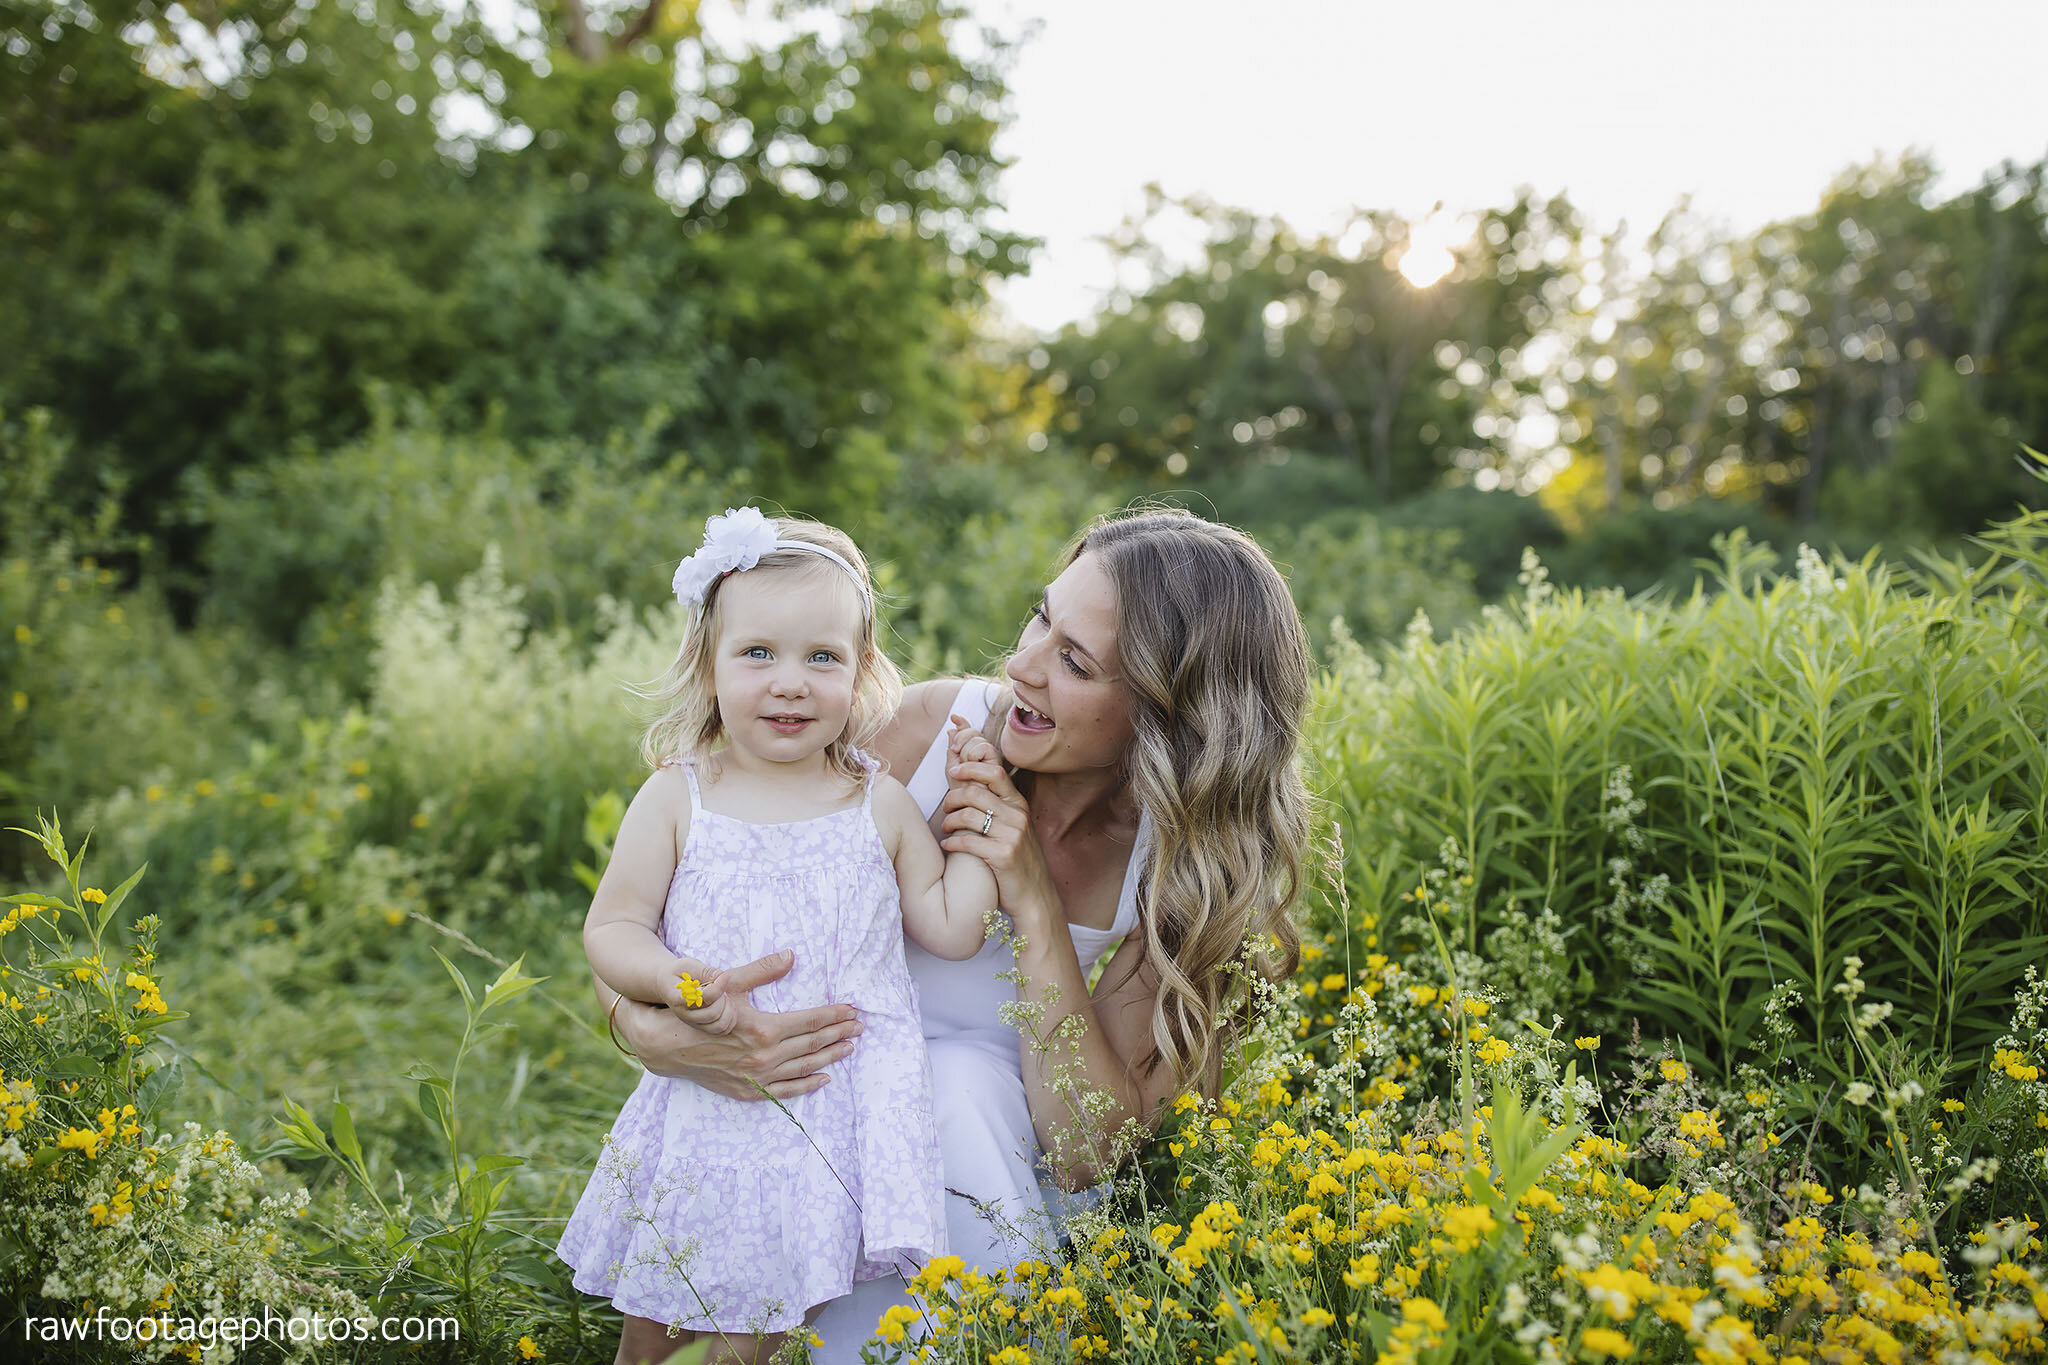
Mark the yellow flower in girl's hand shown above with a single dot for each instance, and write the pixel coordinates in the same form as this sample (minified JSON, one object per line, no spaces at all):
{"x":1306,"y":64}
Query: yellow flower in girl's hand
{"x":691,"y":990}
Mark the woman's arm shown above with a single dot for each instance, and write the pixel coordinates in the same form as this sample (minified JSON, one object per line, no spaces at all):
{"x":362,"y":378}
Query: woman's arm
{"x":1082,"y":1077}
{"x":785,"y":1053}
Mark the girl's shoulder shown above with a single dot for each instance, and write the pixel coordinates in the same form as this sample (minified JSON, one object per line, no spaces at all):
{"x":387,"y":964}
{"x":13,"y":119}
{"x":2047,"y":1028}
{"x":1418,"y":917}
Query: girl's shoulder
{"x":894,"y":811}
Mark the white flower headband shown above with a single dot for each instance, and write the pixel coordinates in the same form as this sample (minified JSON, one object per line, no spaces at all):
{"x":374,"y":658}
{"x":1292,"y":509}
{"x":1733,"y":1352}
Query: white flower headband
{"x":734,"y":543}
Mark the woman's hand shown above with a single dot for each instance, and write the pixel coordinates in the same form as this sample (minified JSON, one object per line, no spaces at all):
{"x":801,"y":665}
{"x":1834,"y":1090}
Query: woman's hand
{"x":985,"y":814}
{"x":785,"y":1053}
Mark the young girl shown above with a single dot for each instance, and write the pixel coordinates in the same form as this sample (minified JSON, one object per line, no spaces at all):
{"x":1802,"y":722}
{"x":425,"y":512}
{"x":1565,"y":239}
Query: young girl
{"x":764,"y":825}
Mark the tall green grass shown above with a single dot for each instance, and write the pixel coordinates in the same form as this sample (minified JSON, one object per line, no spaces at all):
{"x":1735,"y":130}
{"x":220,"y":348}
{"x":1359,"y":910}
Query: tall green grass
{"x":1729,"y":796}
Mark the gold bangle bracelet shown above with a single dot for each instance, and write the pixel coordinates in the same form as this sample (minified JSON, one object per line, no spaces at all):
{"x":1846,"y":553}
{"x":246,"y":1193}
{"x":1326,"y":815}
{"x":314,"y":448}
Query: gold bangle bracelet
{"x":611,"y":1027}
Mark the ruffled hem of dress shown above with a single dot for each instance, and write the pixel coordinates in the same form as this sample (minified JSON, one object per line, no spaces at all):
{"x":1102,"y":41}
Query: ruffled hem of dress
{"x":810,"y":1251}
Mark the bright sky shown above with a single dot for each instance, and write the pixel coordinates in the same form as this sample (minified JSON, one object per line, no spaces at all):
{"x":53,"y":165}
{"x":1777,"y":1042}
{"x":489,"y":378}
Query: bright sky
{"x":1306,"y":108}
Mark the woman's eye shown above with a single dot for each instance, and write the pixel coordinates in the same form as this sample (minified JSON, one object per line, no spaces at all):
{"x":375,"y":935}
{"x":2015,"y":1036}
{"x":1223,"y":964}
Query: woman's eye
{"x":1067,"y":658}
{"x":1037,"y":617}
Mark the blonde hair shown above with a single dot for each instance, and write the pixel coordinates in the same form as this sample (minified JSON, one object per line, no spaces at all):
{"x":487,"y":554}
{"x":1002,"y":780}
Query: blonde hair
{"x":686,"y":698}
{"x":1213,"y":652}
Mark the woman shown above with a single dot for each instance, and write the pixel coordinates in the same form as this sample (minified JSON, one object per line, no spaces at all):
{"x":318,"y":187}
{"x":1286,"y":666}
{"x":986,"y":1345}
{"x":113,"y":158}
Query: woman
{"x":1149,"y":802}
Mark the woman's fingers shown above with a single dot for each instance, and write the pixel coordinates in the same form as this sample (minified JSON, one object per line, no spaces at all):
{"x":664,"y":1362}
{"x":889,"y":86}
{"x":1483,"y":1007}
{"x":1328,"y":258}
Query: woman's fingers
{"x":781,"y":1028}
{"x":760,"y":972}
{"x":990,"y":775}
{"x":808,"y":1051}
{"x":981,"y":795}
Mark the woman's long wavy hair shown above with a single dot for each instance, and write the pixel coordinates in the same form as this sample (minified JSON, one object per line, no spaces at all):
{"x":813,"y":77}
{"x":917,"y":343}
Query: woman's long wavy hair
{"x":685,"y":698}
{"x":1213,"y":652}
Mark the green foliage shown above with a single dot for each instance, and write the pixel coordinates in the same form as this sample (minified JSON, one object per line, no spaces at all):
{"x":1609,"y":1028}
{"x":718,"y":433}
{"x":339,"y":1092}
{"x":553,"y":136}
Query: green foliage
{"x":1951,"y":470}
{"x":204,"y":272}
{"x":107,"y":1202}
{"x":99,"y":683}
{"x":302,"y":544}
{"x":1728,"y":794}
{"x":462,"y":1253}
{"x":1372,"y":577}
{"x":1644,"y":546}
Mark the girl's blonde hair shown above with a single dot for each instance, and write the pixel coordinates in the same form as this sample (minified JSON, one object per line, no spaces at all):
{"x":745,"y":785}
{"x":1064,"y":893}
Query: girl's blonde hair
{"x":1213,"y":652}
{"x":686,"y":698}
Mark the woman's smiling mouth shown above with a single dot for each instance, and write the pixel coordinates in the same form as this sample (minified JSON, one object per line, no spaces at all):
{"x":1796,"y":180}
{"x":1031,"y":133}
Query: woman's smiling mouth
{"x":1029,"y":721}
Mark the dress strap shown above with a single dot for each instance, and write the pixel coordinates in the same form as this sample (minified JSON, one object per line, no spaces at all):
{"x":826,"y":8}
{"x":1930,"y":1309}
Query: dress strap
{"x":688,"y":763}
{"x":869,"y":766}
{"x":1134,"y":877}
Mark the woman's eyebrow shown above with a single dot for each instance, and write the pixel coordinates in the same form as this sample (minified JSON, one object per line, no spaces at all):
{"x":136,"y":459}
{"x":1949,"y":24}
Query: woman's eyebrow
{"x":1045,"y":600}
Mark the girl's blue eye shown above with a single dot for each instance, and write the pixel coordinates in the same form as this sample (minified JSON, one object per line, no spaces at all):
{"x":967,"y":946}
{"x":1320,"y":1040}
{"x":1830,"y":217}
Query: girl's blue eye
{"x":824,"y":656}
{"x":755,"y":652}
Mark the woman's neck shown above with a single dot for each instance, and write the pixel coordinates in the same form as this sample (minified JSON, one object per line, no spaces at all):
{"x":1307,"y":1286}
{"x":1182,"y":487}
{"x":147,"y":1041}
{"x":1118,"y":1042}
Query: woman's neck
{"x":1097,"y":800}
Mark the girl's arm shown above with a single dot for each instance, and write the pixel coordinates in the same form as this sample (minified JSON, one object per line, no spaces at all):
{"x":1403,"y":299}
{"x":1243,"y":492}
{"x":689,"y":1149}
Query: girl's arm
{"x":621,"y":933}
{"x":783,"y":1054}
{"x":946,"y":897}
{"x":1082,"y":1079}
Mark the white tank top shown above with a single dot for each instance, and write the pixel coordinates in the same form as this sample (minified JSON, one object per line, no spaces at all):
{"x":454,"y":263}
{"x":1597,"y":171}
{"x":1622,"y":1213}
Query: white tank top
{"x":961,"y":1000}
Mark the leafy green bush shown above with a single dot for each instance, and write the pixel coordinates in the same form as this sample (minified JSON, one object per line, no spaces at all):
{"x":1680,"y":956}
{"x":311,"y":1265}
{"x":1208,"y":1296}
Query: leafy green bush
{"x":100,"y":684}
{"x":1373,"y":575}
{"x":1724,"y":800}
{"x":301,"y":545}
{"x":107,"y":1204}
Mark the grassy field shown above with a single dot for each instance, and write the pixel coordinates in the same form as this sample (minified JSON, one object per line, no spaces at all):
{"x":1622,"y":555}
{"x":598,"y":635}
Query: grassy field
{"x":1671,"y":994}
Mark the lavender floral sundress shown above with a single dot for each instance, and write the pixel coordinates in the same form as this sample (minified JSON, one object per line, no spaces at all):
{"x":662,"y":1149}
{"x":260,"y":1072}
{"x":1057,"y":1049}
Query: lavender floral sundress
{"x":715,"y":1214}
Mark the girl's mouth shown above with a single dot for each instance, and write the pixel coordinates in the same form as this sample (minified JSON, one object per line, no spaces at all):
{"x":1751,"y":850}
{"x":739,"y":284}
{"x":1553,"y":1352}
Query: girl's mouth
{"x":787,"y":725}
{"x":1029,"y":721}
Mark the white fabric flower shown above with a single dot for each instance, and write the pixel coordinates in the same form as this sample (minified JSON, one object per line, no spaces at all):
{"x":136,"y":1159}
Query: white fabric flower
{"x":732,"y":542}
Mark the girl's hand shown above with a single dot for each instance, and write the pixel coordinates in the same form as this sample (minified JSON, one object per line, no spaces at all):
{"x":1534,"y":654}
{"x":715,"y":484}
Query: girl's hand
{"x":984,"y":814}
{"x":701,"y":998}
{"x":785,"y":1053}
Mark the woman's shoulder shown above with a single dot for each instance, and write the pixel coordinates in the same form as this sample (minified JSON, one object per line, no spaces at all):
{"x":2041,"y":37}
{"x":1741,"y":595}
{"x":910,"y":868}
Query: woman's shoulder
{"x":919,"y":717}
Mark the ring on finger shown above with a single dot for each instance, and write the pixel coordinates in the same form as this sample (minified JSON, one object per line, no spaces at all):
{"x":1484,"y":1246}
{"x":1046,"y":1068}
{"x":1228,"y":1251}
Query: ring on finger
{"x":988,"y":819}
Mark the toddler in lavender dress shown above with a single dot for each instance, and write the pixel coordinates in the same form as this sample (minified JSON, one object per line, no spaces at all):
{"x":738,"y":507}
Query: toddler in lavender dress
{"x":765,"y":827}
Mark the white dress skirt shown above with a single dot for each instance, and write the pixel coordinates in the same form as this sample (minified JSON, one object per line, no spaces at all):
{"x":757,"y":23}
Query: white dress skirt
{"x":997,"y":1211}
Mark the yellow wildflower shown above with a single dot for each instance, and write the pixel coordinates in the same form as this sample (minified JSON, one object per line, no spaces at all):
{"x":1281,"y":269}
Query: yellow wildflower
{"x":1606,"y":1341}
{"x":691,"y":990}
{"x":1591,"y":1043}
{"x":891,"y":1326}
{"x":529,"y":1349}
